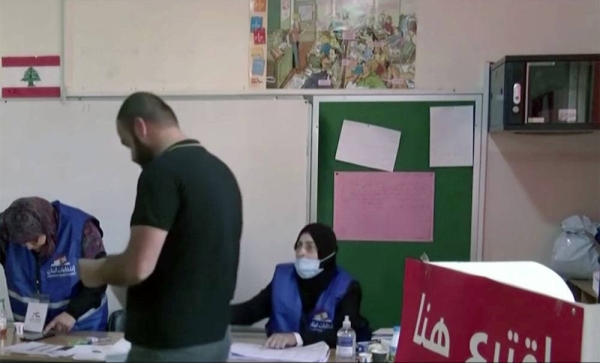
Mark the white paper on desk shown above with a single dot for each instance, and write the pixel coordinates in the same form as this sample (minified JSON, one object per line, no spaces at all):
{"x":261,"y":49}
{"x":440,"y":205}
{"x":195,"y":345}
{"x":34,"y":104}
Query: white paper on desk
{"x":384,"y":332}
{"x":368,"y":145}
{"x":110,"y":353}
{"x":35,"y":317}
{"x":36,"y":348}
{"x":89,"y":352}
{"x":119,"y":351}
{"x":60,"y":352}
{"x":24,"y":348}
{"x":451,"y":136}
{"x":318,"y":352}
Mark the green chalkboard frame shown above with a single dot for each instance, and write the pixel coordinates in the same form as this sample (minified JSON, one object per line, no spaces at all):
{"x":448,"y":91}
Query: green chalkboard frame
{"x":379,"y":266}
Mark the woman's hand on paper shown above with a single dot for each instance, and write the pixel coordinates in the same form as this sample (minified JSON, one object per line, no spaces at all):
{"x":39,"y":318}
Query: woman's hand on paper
{"x":62,"y":323}
{"x":281,"y":341}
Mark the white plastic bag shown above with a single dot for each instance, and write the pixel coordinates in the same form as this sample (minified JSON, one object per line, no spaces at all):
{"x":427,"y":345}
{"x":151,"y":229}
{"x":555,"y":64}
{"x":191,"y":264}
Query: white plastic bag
{"x":575,"y":254}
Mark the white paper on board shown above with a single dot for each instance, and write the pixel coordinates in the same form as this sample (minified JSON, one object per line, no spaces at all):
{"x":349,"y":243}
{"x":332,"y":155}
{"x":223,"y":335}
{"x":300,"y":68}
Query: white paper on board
{"x":451,"y":136}
{"x":367,"y":145}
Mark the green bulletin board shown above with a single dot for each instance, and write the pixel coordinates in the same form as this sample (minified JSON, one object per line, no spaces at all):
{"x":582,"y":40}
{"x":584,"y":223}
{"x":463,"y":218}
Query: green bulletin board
{"x":379,"y":266}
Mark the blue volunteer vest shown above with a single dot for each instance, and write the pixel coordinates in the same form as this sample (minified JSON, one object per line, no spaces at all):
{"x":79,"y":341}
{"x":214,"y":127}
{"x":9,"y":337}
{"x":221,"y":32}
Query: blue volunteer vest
{"x":286,"y":311}
{"x":58,"y":275}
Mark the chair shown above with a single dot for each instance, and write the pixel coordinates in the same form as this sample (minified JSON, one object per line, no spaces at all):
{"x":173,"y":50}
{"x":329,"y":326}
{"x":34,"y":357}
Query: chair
{"x":116,"y":321}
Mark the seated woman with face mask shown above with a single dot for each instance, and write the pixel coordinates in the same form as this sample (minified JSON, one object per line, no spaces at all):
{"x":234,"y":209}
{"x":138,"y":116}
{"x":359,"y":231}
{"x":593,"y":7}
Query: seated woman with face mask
{"x":306,"y":301}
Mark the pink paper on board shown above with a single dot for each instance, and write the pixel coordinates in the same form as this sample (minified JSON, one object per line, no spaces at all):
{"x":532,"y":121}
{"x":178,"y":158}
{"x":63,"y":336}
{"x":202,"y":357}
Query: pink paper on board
{"x":383,"y":206}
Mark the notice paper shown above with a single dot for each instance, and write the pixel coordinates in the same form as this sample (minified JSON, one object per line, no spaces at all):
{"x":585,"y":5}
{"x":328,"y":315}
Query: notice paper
{"x":451,"y":136}
{"x":379,"y":206}
{"x":367,"y":145}
{"x":318,"y":352}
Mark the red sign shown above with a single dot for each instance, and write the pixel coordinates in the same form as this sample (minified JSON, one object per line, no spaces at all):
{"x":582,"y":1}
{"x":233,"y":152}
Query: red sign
{"x":450,"y":316}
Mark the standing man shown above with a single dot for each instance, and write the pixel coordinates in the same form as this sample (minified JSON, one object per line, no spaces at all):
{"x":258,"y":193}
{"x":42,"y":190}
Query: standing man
{"x":182,"y":258}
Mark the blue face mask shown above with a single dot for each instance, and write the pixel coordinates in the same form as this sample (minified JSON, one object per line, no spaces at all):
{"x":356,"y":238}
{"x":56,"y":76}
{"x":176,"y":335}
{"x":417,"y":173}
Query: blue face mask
{"x":308,"y":268}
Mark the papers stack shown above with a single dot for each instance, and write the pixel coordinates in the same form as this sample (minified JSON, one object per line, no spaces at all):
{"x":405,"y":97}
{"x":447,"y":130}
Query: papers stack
{"x":318,"y":352}
{"x":384,"y":333}
{"x":110,"y":353}
{"x":39,"y":349}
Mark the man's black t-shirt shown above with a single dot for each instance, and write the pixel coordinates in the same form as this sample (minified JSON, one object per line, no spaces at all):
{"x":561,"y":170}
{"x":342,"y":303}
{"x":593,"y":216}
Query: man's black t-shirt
{"x":194,"y":196}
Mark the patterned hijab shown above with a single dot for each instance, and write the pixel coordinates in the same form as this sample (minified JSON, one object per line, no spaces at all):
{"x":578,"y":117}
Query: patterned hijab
{"x":26,"y":219}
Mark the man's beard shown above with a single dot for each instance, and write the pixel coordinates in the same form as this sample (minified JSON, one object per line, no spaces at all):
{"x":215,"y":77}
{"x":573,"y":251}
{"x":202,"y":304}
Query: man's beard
{"x":143,"y":154}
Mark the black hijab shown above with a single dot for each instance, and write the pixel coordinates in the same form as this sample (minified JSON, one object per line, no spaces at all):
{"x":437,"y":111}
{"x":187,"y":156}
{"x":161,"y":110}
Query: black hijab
{"x":326,"y":242}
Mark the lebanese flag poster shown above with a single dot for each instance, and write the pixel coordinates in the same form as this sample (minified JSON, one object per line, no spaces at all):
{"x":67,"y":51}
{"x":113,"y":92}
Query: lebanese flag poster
{"x":25,"y":77}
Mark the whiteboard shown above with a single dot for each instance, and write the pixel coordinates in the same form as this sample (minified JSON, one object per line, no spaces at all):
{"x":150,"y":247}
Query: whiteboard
{"x":71,"y":152}
{"x":174,"y":46}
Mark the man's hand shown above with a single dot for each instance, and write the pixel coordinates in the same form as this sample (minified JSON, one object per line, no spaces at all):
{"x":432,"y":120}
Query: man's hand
{"x":62,"y":323}
{"x":89,"y":272}
{"x":281,"y":341}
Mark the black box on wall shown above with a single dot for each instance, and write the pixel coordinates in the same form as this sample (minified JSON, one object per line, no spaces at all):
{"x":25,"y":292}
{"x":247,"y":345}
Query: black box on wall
{"x":545,"y":93}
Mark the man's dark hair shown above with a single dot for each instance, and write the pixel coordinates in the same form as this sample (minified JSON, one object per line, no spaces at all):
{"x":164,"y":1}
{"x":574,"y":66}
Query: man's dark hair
{"x":148,"y":107}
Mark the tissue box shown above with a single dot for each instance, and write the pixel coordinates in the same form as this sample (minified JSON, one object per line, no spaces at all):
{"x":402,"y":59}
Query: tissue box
{"x":596,"y":282}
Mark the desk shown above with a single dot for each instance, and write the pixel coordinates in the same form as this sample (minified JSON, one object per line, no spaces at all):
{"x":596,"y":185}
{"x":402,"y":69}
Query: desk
{"x":258,"y":337}
{"x":11,"y":339}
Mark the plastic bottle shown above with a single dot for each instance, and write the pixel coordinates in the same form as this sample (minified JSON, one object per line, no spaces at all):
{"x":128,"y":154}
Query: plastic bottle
{"x":3,"y":320}
{"x":394,"y":345}
{"x":346,"y":341}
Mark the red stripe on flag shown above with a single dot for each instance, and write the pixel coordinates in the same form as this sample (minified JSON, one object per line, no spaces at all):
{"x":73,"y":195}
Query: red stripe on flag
{"x":44,"y":60}
{"x":23,"y":92}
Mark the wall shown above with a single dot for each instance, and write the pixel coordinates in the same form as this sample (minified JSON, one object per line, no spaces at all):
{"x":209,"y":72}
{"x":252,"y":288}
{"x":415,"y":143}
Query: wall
{"x":102,"y":180}
{"x":455,"y":38}
{"x":533,"y":183}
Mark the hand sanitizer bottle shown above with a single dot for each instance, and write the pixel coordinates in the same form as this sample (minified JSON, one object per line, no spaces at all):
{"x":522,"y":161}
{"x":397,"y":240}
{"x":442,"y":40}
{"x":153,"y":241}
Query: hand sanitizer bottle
{"x":346,"y":341}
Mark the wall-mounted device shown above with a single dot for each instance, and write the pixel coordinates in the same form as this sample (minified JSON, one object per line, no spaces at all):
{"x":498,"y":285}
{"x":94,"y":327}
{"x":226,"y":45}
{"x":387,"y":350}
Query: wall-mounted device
{"x":545,"y":93}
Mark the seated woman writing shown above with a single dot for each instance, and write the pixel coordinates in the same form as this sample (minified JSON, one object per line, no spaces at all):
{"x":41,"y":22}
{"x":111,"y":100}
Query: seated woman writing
{"x":306,"y":301}
{"x":40,"y":244}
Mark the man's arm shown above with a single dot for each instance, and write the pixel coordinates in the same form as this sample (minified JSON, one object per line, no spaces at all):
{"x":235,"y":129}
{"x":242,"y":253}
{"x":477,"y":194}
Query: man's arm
{"x":253,"y":310}
{"x":156,"y":207}
{"x":88,"y":298}
{"x":137,"y":262}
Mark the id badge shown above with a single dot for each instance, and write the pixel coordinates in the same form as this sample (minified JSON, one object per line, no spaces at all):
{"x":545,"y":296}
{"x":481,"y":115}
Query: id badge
{"x":35,"y":317}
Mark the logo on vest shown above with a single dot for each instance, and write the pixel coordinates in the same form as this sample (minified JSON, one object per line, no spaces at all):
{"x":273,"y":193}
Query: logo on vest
{"x":61,"y":268}
{"x":320,"y":322}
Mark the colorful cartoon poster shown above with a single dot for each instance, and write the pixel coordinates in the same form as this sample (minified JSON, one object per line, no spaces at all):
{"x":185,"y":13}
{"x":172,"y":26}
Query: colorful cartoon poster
{"x":258,"y":44}
{"x":341,"y":44}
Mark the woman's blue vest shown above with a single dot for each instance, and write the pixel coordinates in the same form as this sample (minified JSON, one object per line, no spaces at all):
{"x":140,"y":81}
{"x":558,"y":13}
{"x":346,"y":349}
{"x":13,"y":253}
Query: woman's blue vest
{"x":287,"y":316}
{"x":57,"y":278}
